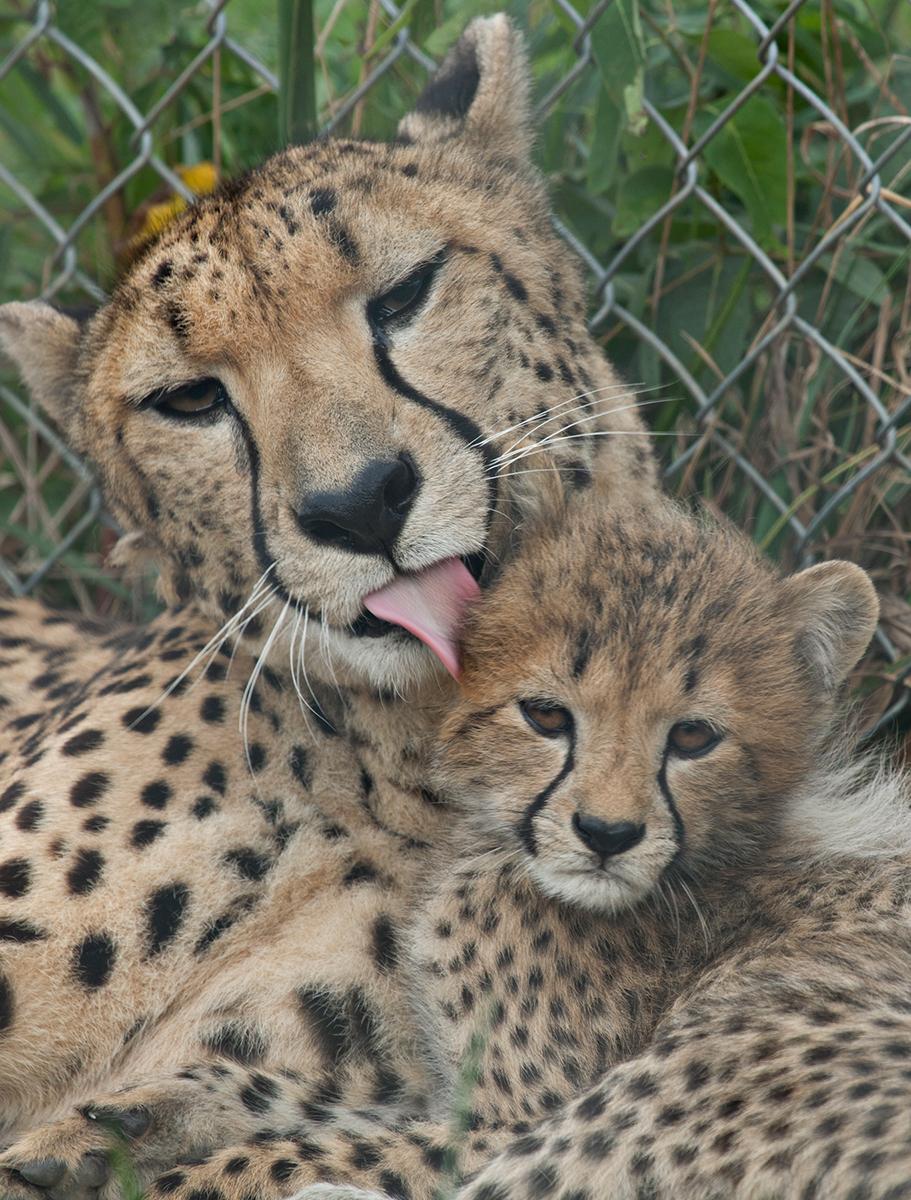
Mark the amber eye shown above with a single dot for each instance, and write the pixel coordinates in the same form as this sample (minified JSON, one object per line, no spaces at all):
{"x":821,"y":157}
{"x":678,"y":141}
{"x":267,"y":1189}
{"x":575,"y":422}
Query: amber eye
{"x":690,"y":739}
{"x":405,"y":296}
{"x":546,"y":718}
{"x":199,"y":399}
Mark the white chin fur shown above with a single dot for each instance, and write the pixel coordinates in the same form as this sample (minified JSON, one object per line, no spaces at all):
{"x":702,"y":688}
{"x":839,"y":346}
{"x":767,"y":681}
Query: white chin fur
{"x":596,"y":890}
{"x":392,"y":662}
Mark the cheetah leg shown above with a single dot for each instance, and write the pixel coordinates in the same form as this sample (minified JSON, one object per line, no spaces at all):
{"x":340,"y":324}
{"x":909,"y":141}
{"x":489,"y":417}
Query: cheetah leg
{"x":224,"y":1130}
{"x":147,"y":1129}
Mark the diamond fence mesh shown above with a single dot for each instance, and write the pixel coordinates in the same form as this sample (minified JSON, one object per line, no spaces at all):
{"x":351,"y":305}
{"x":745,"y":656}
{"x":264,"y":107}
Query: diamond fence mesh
{"x":733,"y":175}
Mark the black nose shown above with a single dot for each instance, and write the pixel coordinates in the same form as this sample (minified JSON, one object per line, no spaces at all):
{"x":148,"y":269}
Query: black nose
{"x":368,"y":516}
{"x":607,"y":837}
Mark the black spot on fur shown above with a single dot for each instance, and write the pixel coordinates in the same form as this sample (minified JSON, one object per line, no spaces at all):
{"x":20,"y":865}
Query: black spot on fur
{"x":163,"y":273}
{"x":258,"y":1095}
{"x":140,"y":721}
{"x":85,"y":873}
{"x":583,"y":653}
{"x":247,"y":862}
{"x":146,"y":832}
{"x":322,"y":201}
{"x":176,"y":317}
{"x":237,"y":1042}
{"x":14,"y":792}
{"x":203,"y":806}
{"x":361,"y":872}
{"x":29,"y":815}
{"x":329,"y":1019}
{"x":516,"y":289}
{"x":299,"y":762}
{"x":342,"y":240}
{"x":177,"y":749}
{"x":89,"y":788}
{"x":171,"y":1182}
{"x":212,"y":709}
{"x":94,"y":959}
{"x":544,"y":372}
{"x":165,"y":911}
{"x":156,"y":794}
{"x":20,"y":931}
{"x":15,"y":878}
{"x":215,"y":777}
{"x":82,"y":743}
{"x":7,"y":1008}
{"x":385,"y":943}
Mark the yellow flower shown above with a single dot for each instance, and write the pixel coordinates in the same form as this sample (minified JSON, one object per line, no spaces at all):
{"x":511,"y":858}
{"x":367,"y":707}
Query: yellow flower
{"x":201,"y":178}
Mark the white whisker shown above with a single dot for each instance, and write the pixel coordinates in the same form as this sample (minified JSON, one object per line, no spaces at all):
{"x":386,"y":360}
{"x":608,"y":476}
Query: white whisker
{"x":244,"y":714}
{"x":592,"y":416}
{"x":211,"y":647}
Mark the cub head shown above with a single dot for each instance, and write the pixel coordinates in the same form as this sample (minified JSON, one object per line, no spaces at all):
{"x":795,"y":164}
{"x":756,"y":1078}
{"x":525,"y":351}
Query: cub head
{"x":312,"y":383}
{"x":641,"y":694}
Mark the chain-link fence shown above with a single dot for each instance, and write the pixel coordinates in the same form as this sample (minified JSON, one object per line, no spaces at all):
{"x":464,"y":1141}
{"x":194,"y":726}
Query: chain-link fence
{"x":789,"y":403}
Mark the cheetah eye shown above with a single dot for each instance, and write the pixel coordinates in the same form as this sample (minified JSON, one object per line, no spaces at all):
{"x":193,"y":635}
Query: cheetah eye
{"x":692,"y":739}
{"x":402,"y":300}
{"x":546,"y":718}
{"x":200,"y":399}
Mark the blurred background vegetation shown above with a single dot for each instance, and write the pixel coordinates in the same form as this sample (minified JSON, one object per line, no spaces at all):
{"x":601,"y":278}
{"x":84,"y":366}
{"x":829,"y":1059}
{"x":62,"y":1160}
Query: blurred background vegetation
{"x":778,"y":167}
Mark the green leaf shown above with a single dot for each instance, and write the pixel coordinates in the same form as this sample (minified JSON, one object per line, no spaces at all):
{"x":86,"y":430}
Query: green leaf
{"x":748,"y":154}
{"x":296,"y":69}
{"x":639,"y":196}
{"x":605,"y":145}
{"x":861,"y":276}
{"x":619,"y":50}
{"x":734,"y":52}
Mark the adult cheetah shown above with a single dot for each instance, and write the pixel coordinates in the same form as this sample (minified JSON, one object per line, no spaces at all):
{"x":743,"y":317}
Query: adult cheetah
{"x":299,"y":394}
{"x":671,"y":925}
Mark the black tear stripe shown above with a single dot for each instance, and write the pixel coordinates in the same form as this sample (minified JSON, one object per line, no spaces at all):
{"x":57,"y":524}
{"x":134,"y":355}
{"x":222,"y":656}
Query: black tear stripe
{"x":679,"y":828}
{"x":461,"y":425}
{"x":525,"y":828}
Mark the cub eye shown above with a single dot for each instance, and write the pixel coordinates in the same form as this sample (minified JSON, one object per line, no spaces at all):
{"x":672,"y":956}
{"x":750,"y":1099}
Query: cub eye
{"x":198,"y":399}
{"x":545,"y":718}
{"x":691,"y":739}
{"x":405,"y":296}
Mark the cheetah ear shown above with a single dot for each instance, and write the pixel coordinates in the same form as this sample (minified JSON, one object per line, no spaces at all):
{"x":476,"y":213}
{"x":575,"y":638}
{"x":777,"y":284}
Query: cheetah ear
{"x":44,"y":345}
{"x":480,"y":92}
{"x":835,"y":608}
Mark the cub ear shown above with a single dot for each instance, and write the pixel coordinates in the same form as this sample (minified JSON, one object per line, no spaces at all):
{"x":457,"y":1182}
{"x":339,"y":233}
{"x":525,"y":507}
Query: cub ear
{"x":44,"y":345}
{"x":835,"y":609}
{"x":481,"y":92}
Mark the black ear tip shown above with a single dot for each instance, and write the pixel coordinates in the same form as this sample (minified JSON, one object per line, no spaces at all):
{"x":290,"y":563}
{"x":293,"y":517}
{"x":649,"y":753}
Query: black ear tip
{"x":451,"y":91}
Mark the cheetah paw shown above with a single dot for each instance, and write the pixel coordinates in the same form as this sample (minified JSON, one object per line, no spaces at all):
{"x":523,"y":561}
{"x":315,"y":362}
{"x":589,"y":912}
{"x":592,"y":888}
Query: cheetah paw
{"x":71,"y":1159}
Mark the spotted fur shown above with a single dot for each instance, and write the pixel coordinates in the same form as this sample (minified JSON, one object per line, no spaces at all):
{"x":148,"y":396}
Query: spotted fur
{"x":729,"y":1018}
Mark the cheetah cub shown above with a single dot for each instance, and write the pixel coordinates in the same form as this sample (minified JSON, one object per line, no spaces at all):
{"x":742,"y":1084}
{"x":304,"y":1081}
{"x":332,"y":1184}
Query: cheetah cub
{"x":647,"y":840}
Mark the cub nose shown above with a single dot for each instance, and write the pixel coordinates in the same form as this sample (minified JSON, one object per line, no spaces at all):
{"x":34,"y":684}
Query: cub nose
{"x":607,"y":837}
{"x":368,"y":516}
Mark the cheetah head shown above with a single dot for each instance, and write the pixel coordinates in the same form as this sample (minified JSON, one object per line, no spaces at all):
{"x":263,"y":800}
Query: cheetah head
{"x":641,"y":697}
{"x":303,"y":390}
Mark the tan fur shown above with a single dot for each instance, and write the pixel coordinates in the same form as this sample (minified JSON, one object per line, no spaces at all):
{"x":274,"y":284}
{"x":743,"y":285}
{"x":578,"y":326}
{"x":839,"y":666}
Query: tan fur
{"x":716,"y":1023}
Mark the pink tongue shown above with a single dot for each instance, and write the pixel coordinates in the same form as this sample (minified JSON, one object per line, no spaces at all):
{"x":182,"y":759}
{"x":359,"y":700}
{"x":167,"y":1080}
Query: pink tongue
{"x":429,"y":604}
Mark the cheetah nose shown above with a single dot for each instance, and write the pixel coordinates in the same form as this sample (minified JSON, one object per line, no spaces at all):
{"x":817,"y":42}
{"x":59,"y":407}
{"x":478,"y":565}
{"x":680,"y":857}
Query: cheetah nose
{"x":607,"y":837}
{"x":368,"y":516}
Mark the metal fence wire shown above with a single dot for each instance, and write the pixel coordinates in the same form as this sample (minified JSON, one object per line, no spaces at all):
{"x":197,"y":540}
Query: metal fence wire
{"x":865,"y":168}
